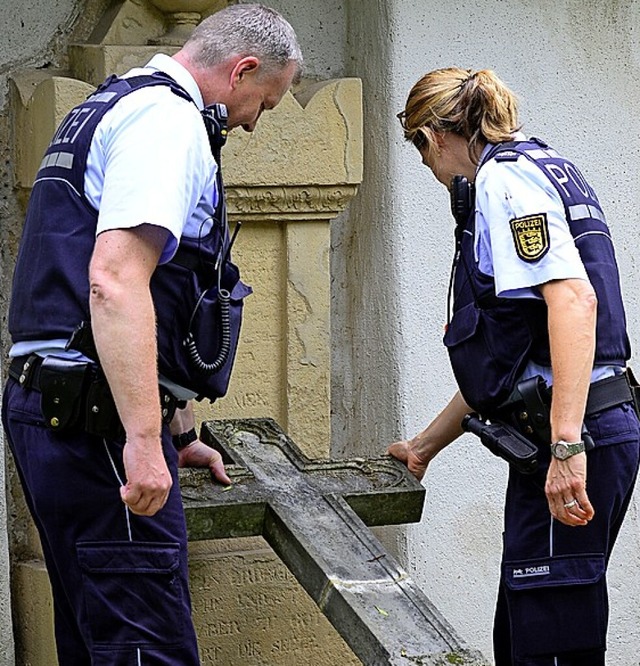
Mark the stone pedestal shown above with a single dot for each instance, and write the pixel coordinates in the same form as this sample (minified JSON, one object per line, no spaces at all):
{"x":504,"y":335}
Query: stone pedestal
{"x":249,"y":609}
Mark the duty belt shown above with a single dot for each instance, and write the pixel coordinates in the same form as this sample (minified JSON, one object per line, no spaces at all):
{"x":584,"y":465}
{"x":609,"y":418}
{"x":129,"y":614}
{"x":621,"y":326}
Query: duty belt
{"x":528,"y":407}
{"x":76,"y":394}
{"x":611,"y":392}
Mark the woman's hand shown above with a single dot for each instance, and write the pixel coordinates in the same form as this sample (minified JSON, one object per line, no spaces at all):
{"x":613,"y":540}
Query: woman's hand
{"x":405,"y":452}
{"x":566,"y":490}
{"x":418,"y":452}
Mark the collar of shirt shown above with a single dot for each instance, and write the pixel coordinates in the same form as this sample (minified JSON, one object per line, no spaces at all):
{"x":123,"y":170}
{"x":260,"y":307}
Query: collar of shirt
{"x":517,"y":136}
{"x":170,"y":66}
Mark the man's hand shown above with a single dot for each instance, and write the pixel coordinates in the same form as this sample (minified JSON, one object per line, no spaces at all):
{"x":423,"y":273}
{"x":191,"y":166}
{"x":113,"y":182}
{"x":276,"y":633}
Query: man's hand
{"x":566,"y":490}
{"x":198,"y":454}
{"x":148,"y":478}
{"x":405,"y":453}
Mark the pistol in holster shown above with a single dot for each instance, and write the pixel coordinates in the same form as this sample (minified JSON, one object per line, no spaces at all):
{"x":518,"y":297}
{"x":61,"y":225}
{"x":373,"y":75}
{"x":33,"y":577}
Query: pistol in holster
{"x":504,"y":441}
{"x":529,"y":411}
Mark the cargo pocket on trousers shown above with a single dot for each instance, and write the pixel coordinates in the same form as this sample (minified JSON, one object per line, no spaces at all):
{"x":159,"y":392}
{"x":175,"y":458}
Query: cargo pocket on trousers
{"x":557,"y":604}
{"x":133,"y":592}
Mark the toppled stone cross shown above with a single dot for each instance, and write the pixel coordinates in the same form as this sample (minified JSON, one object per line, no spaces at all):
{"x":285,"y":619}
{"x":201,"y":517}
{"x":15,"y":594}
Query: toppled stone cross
{"x":314,"y":514}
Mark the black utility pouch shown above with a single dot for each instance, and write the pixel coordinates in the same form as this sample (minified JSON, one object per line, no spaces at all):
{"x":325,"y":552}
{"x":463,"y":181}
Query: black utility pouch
{"x":635,"y":389}
{"x":101,"y":416}
{"x":528,"y":410}
{"x":62,"y":386}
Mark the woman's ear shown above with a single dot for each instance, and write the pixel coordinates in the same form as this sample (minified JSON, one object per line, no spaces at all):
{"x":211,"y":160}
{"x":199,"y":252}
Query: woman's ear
{"x":440,"y":141}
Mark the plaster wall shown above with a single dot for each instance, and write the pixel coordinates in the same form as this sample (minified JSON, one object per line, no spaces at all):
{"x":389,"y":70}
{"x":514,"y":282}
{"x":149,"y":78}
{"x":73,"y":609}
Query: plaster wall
{"x":321,"y":29}
{"x":25,"y":28}
{"x":575,"y":66}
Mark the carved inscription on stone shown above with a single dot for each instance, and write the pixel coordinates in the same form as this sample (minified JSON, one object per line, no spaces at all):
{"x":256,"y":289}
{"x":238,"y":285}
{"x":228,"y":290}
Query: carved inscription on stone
{"x":256,"y":614}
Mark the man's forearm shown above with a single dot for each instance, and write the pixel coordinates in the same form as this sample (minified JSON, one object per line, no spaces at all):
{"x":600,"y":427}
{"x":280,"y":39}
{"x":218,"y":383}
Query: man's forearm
{"x":125,"y":339}
{"x":183,"y":420}
{"x":123,"y":321}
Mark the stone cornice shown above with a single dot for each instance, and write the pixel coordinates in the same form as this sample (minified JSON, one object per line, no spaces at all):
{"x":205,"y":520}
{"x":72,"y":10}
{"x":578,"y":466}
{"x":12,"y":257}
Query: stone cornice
{"x":281,"y":202}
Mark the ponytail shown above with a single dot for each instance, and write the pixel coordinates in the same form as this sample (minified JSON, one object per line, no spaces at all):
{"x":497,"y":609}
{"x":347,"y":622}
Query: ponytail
{"x":476,"y":105}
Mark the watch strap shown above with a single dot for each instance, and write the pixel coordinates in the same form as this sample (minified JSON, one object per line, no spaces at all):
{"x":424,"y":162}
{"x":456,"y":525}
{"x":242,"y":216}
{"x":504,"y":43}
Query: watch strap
{"x":184,"y":439}
{"x":568,"y":449}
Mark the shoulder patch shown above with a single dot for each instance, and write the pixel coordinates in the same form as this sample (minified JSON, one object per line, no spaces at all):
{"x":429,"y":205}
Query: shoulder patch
{"x":530,"y":236}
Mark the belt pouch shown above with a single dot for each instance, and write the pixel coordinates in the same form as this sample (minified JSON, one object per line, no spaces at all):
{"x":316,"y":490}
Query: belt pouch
{"x":101,"y":416}
{"x":635,"y":389}
{"x":528,"y":410}
{"x":62,"y":384}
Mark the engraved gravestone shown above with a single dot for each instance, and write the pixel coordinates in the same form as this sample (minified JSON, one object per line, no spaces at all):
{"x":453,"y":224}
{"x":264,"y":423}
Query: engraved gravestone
{"x":315,"y":515}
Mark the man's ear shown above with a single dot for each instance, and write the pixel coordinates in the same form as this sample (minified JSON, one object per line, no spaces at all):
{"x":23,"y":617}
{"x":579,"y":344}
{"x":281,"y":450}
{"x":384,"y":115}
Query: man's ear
{"x":243,"y":67}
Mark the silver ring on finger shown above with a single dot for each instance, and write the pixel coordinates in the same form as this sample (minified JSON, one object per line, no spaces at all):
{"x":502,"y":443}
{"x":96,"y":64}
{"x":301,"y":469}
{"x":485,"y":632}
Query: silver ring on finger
{"x":571,"y":504}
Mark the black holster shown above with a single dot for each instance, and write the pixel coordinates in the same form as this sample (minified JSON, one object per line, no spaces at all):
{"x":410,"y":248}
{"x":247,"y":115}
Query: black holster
{"x":101,"y":417}
{"x":635,"y":389}
{"x":505,"y":442}
{"x":62,"y":384}
{"x":75,"y":395}
{"x":529,"y":410}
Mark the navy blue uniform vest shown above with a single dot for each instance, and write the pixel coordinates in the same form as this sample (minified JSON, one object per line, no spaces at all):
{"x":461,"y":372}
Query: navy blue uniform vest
{"x":490,"y":340}
{"x":50,"y":290}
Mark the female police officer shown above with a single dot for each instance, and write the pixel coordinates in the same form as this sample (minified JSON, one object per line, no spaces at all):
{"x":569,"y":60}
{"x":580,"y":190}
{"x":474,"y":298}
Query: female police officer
{"x":536,"y":304}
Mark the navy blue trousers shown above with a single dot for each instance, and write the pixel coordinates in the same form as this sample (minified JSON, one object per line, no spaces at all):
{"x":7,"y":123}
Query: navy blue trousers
{"x":552,"y":605}
{"x":119,"y":581}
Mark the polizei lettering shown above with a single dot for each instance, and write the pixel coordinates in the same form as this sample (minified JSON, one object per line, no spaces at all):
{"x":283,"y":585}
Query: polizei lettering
{"x":568,"y":174}
{"x":531,"y":236}
{"x":525,"y":572}
{"x":72,"y":125}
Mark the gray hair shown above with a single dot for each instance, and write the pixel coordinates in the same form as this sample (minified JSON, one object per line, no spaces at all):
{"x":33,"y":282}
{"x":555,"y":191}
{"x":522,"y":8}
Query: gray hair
{"x":245,"y":30}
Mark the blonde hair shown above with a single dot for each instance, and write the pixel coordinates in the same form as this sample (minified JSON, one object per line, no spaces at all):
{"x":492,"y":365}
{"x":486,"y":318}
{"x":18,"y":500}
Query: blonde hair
{"x":478,"y":106}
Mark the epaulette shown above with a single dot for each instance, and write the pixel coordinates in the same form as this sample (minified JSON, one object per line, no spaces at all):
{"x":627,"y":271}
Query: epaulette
{"x":507,"y":156}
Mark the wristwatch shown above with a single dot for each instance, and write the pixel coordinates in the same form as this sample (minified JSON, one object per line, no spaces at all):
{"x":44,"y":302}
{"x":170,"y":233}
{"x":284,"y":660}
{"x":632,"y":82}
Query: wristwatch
{"x":563,"y":450}
{"x":183,"y":440}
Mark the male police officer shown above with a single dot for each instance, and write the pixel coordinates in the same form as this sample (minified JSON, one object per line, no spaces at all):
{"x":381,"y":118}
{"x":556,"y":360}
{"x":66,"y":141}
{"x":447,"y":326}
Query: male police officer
{"x":126,"y":227}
